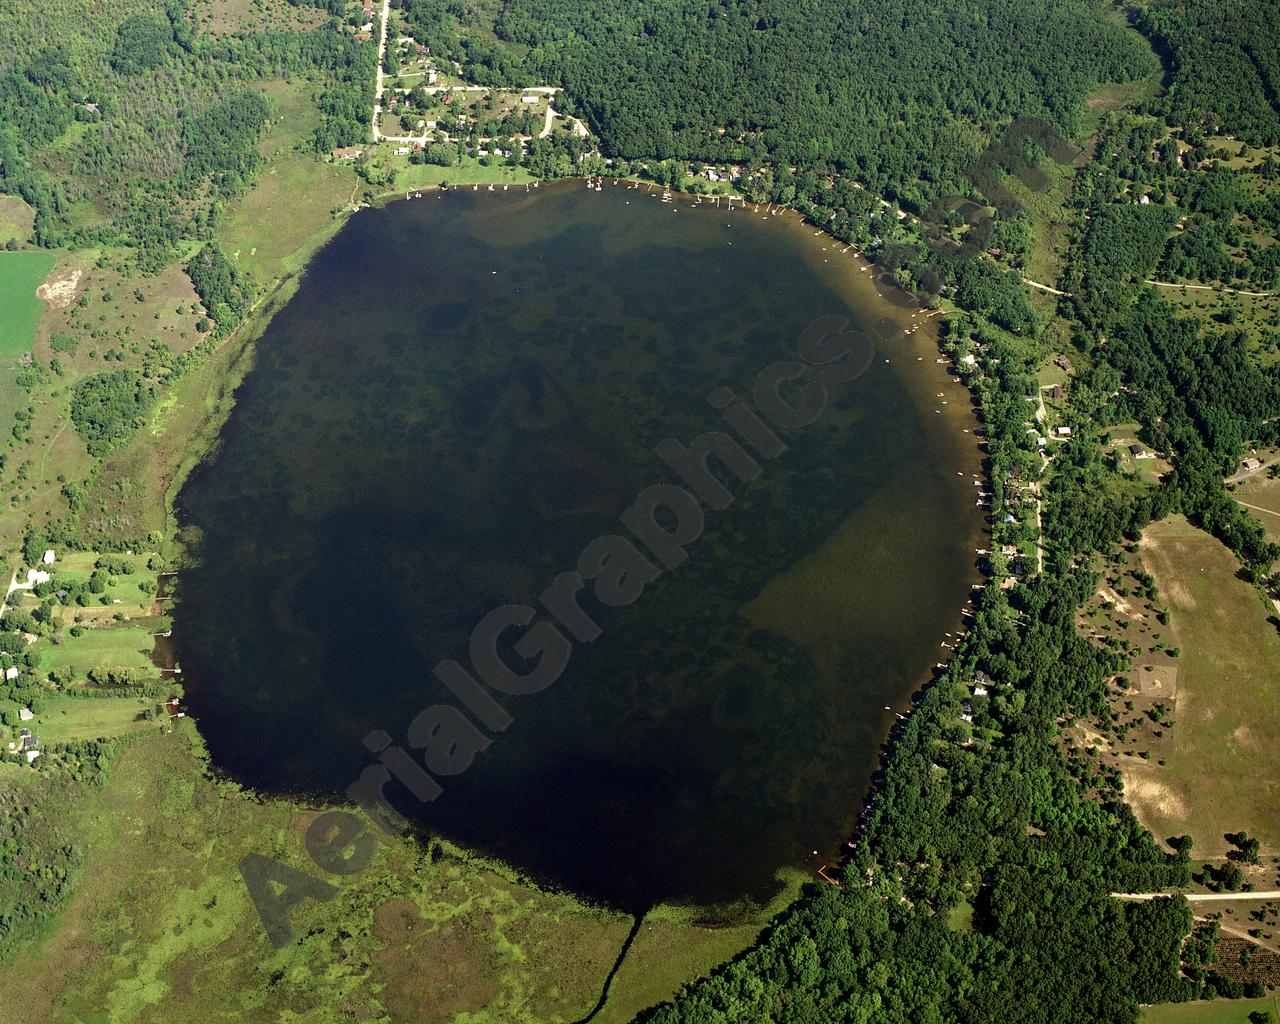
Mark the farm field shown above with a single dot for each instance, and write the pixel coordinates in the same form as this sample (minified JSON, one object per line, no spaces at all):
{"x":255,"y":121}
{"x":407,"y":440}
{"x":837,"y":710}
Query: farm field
{"x":1217,"y":1011}
{"x":20,"y":309}
{"x":1210,"y":772}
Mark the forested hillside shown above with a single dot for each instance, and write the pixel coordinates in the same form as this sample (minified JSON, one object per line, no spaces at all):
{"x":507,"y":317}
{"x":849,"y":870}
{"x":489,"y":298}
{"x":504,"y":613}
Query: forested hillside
{"x":896,"y":93}
{"x":1224,"y":64}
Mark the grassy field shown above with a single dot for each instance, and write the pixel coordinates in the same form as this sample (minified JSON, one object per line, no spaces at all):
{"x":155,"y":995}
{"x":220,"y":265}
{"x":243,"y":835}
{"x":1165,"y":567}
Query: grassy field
{"x":112,"y":647}
{"x":1217,"y":1011}
{"x":1218,"y":772}
{"x":20,"y":276}
{"x":1260,"y":493}
{"x":253,"y":234}
{"x":469,"y":172}
{"x":63,"y":719}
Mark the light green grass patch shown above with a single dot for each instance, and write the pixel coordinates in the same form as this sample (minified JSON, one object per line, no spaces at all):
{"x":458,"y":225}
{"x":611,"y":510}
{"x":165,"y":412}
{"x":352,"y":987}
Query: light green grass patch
{"x":112,"y":647}
{"x":1217,"y":1011}
{"x":469,"y":172}
{"x":20,"y":276}
{"x":65,"y":719}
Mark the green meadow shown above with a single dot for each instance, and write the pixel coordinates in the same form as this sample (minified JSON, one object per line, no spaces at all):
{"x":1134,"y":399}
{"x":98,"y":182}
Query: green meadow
{"x":20,"y":276}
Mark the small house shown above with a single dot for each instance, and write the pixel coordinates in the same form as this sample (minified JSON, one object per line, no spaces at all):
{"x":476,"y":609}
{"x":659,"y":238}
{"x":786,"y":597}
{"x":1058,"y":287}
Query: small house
{"x":346,"y":152}
{"x":25,"y":714}
{"x":530,"y":98}
{"x":1250,"y":465}
{"x":12,"y":672}
{"x":49,"y":558}
{"x":1062,"y":432}
{"x":1056,"y":392}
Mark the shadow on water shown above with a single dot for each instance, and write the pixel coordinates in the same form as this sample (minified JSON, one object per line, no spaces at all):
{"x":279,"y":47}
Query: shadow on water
{"x":462,"y":394}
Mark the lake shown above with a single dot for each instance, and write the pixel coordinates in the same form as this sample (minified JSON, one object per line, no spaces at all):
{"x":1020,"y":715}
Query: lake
{"x":465,"y":391}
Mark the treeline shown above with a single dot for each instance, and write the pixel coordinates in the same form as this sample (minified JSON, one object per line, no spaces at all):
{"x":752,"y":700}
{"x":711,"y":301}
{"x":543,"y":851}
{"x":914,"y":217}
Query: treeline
{"x":1224,"y":64}
{"x":106,"y":408}
{"x":889,"y":92}
{"x":225,"y":293}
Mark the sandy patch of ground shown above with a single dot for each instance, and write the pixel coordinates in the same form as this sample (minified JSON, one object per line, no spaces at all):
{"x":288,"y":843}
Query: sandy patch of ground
{"x":1121,"y":605}
{"x":1149,"y":796}
{"x":59,"y":289}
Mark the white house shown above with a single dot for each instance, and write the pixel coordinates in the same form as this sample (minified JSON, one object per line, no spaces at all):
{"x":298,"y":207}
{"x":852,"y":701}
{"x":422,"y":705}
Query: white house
{"x":37,"y":576}
{"x":49,"y":558}
{"x":12,"y":673}
{"x":25,"y":714}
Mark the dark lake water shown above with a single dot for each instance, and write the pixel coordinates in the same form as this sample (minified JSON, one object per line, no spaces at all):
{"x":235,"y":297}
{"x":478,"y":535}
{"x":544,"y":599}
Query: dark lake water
{"x":465,"y":391}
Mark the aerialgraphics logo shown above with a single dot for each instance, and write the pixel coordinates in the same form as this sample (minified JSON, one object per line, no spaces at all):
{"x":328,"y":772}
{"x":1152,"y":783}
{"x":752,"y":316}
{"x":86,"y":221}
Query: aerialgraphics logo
{"x":662,"y":523}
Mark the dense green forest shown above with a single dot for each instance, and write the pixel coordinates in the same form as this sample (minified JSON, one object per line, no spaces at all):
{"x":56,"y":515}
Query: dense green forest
{"x":1224,"y":64}
{"x":894,"y":94}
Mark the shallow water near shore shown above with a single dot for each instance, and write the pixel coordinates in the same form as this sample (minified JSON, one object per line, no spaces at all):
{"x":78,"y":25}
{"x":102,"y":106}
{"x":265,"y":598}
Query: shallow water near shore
{"x":464,"y":392}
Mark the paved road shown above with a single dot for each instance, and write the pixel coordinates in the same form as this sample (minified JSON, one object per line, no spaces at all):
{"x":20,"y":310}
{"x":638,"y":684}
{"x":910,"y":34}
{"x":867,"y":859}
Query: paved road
{"x":377,"y":89}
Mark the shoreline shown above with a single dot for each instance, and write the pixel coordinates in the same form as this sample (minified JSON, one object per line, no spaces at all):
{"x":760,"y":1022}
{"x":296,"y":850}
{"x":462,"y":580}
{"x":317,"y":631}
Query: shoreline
{"x":238,"y":350}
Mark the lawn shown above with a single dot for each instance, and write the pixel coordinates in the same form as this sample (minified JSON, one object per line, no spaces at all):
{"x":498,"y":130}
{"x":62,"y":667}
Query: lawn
{"x":112,"y":646}
{"x":1217,"y":1011}
{"x":20,"y":276}
{"x":125,"y":596}
{"x":63,"y":719}
{"x":1219,"y":773}
{"x":469,"y":172}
